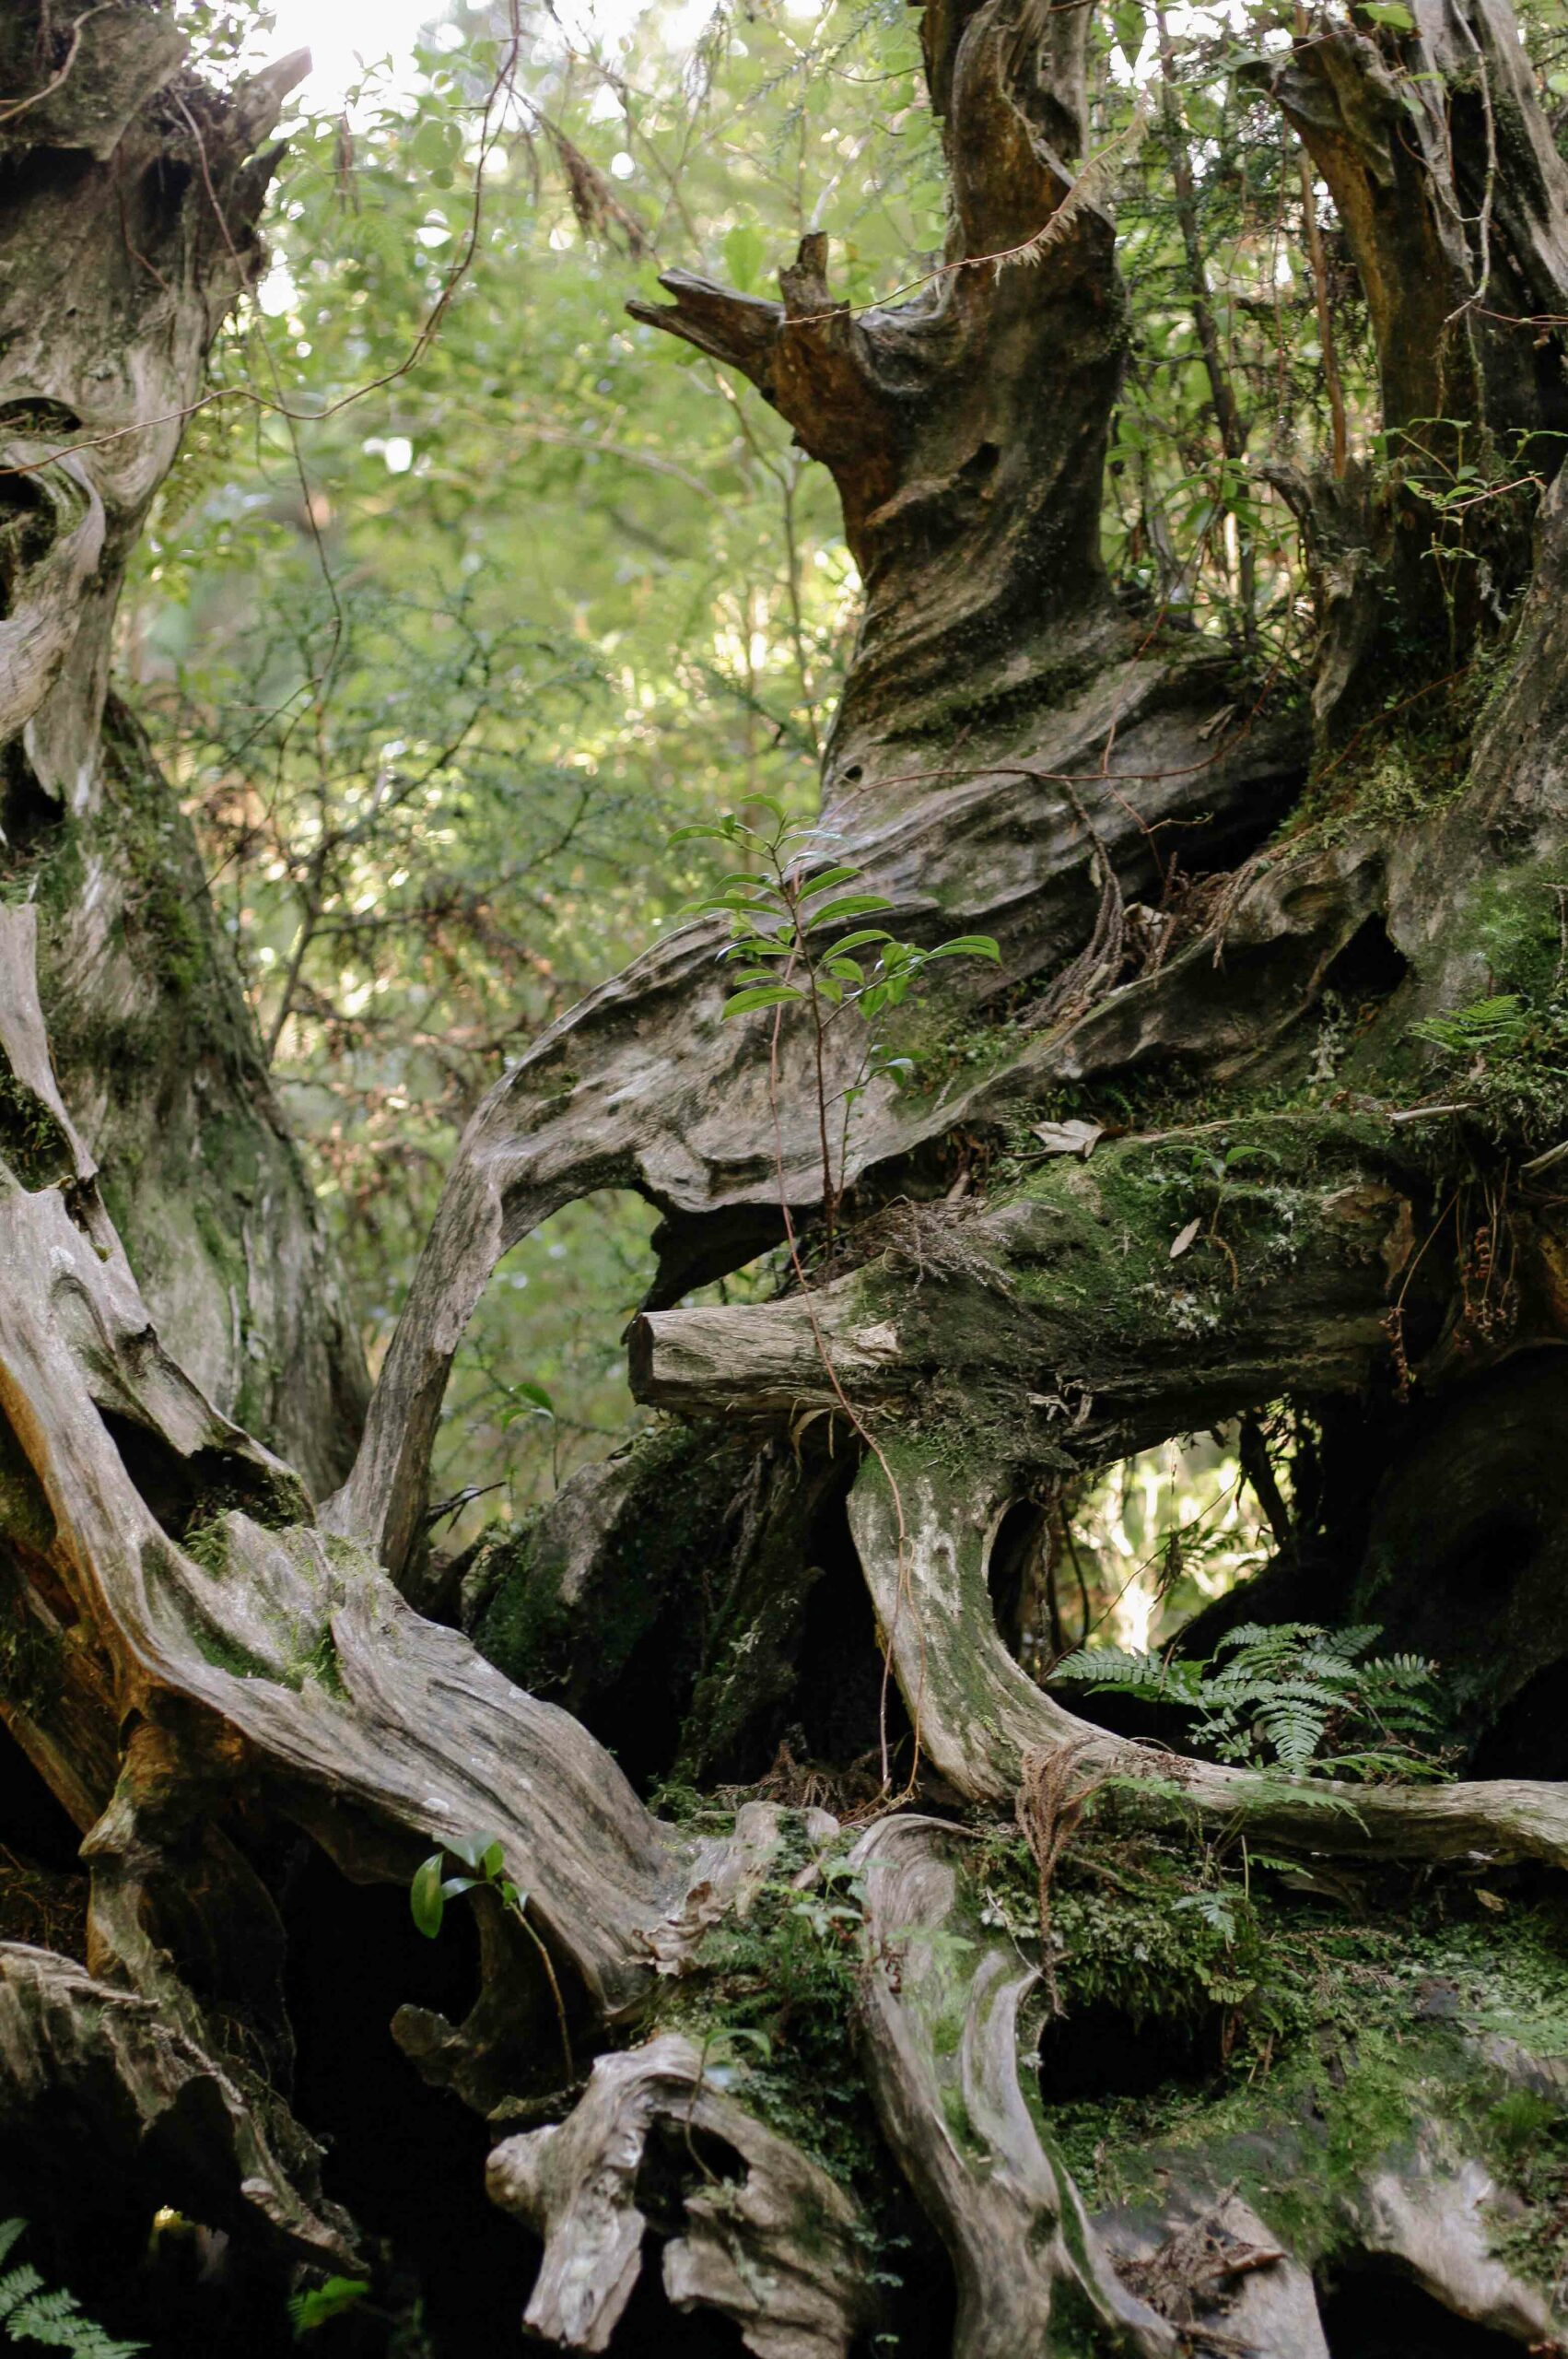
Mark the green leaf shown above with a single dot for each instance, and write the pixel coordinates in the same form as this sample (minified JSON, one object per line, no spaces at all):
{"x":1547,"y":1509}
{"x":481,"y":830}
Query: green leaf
{"x":825,"y":882}
{"x":743,"y":904}
{"x":862,"y":939}
{"x":760,"y":995}
{"x":307,"y":2311}
{"x":426,"y":1897}
{"x":744,"y":253}
{"x":726,"y":828}
{"x":852,"y":905}
{"x":471,"y":1849}
{"x":1392,"y":13}
{"x":968,"y":946}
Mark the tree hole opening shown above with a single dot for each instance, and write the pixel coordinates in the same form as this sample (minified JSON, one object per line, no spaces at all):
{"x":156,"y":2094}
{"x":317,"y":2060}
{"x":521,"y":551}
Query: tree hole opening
{"x":1136,"y":1554}
{"x":354,"y":1957}
{"x":43,"y":1886}
{"x":841,"y":1690}
{"x":1020,"y":1559}
{"x":1100,"y":2052}
{"x":650,"y":2327}
{"x":1371,"y":2309}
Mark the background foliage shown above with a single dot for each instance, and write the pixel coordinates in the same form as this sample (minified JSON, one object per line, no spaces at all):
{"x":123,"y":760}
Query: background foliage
{"x":468,"y":592}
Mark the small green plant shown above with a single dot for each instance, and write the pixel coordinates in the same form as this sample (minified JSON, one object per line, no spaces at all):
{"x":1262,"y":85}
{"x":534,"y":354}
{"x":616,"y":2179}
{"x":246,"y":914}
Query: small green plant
{"x":32,"y":2312}
{"x":1487,"y":1024}
{"x":324,"y":2303}
{"x":1294,"y":1700}
{"x":773,"y":1997}
{"x":783,"y":908}
{"x":482,"y":1861}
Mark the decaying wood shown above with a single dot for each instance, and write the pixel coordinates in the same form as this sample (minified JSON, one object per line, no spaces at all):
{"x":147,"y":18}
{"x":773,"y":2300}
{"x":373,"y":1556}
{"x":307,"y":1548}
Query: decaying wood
{"x":1042,"y":1324}
{"x":128,"y":212}
{"x":643,"y":1086}
{"x":960,"y":2115}
{"x":1425,"y":2208}
{"x":148,"y":2106}
{"x":978,"y":1713}
{"x":1015,"y":755}
{"x":763,"y":2235}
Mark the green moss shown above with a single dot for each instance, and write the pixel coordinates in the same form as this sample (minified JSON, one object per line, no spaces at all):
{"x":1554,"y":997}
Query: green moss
{"x":526,"y":1628}
{"x":660,"y":1537}
{"x":205,"y":1541}
{"x":773,"y":1996}
{"x":1516,"y":1072}
{"x":32,"y":1142}
{"x":32,"y":1664}
{"x":1324,"y":2041}
{"x":668,"y":1556}
{"x":1094,"y":1259}
{"x":321,"y":1666}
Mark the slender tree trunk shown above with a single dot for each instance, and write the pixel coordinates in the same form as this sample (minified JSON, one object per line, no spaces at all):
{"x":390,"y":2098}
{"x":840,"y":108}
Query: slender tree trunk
{"x":804,"y":2066}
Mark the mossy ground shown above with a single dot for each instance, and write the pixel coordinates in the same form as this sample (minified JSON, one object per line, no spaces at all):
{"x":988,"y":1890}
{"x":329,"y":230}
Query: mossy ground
{"x":1316,"y":2023}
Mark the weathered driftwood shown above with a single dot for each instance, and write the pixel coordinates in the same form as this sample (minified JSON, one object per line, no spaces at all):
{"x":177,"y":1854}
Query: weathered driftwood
{"x":147,"y":2103}
{"x":961,"y":2116}
{"x":978,"y":1714}
{"x":759,"y":2232}
{"x":128,"y":219}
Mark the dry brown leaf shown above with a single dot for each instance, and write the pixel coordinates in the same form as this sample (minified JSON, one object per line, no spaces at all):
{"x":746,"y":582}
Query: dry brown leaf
{"x":1070,"y":1138}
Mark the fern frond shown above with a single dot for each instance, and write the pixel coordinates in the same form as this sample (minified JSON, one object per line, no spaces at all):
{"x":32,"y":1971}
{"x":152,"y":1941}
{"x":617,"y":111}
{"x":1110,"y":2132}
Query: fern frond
{"x":1124,"y":1671}
{"x":15,"y":2286}
{"x":1271,"y":1638}
{"x":32,"y":2312}
{"x":1485,"y":1024}
{"x":55,"y":2319}
{"x":1276,"y":1696}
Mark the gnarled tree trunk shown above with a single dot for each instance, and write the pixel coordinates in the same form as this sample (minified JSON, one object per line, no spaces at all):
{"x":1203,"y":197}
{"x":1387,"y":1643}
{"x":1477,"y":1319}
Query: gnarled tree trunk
{"x":226,"y":1689}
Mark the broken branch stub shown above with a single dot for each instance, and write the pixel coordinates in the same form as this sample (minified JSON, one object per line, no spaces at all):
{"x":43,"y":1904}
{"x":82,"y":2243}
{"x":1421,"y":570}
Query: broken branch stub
{"x":763,"y":2233}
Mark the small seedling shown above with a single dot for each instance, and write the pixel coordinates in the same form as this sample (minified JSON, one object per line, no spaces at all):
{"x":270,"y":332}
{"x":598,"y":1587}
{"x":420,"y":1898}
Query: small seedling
{"x":482,"y":1861}
{"x":783,"y":908}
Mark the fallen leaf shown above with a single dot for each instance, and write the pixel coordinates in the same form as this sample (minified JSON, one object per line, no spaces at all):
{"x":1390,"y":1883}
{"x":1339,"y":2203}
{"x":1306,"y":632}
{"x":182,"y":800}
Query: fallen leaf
{"x":1185,"y":1237}
{"x":1492,"y":1900}
{"x":1070,"y":1138}
{"x":878,"y":1342}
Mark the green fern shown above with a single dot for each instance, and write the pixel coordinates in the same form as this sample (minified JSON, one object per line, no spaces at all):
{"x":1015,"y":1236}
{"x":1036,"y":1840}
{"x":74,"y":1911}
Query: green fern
{"x":1499,"y":1023}
{"x":1292,"y":1698}
{"x":32,"y":2312}
{"x":1124,"y":1671}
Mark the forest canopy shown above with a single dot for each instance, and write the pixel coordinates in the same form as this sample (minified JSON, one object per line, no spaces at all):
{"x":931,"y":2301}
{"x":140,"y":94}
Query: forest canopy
{"x":440,"y":675}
